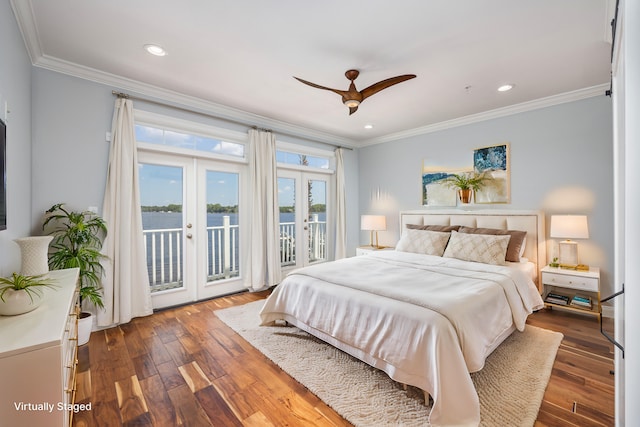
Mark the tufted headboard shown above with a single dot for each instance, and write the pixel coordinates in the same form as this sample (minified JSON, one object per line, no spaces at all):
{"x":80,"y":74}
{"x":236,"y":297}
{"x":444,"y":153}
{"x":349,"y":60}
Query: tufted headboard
{"x":530,"y":221}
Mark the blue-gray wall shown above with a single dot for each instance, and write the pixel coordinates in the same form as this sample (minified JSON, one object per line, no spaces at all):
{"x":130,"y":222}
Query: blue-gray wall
{"x":15,"y":89}
{"x":561,"y":162}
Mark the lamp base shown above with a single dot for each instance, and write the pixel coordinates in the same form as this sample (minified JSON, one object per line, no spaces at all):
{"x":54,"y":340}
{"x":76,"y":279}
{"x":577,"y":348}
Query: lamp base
{"x":376,"y":246}
{"x":578,"y":267}
{"x":568,"y":253}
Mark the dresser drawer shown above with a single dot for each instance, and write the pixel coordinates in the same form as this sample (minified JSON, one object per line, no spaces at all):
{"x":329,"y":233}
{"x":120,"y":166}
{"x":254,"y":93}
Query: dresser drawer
{"x":573,"y":282}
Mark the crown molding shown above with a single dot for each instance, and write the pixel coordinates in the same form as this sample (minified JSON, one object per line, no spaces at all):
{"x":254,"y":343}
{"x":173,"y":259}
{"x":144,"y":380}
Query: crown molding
{"x":536,"y":104}
{"x":27,"y":25}
{"x":218,"y":110}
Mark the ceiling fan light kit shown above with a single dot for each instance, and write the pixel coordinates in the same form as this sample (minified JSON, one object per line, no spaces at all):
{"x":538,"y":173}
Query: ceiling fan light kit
{"x":353,"y":97}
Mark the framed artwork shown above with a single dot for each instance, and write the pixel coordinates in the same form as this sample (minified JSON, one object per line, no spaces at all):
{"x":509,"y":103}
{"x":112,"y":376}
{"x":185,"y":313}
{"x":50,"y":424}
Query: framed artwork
{"x":493,"y":162}
{"x":434,"y":191}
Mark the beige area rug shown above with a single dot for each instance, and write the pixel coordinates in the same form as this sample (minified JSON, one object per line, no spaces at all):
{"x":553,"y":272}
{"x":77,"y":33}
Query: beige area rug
{"x":510,"y":386}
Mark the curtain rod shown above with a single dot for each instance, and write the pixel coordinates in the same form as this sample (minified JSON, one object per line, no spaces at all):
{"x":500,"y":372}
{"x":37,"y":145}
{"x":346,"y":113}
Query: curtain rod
{"x":189,"y":110}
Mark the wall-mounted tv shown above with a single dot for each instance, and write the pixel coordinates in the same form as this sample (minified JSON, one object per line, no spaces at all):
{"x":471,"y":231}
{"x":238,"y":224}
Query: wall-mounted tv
{"x":3,"y":175}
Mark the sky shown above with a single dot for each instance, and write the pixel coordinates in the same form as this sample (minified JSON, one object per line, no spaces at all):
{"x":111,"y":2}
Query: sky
{"x":162,"y":185}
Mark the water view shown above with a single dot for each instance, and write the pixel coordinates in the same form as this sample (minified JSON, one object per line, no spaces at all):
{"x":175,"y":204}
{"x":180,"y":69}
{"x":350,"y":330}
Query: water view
{"x":165,"y":253}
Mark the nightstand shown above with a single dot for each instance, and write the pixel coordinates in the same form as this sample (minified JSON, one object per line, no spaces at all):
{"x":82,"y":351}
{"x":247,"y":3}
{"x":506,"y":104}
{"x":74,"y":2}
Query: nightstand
{"x":366,"y":250}
{"x":569,"y":284}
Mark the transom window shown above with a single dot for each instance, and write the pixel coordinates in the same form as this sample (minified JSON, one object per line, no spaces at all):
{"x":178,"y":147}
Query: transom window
{"x":291,"y":158}
{"x":154,"y":135}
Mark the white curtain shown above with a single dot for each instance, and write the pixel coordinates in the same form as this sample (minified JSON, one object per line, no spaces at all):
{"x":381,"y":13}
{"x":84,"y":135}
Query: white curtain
{"x":341,"y":210}
{"x":126,"y":284}
{"x":262,"y":263}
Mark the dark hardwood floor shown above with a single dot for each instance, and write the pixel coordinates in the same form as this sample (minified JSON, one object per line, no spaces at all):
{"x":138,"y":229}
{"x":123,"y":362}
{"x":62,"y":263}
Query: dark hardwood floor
{"x":183,"y":366}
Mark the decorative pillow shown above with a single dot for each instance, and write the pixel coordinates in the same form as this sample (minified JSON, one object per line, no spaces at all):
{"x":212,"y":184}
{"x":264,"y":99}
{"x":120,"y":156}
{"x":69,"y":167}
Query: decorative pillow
{"x":485,"y":248}
{"x":445,"y":228}
{"x":423,"y":242}
{"x":516,"y":244}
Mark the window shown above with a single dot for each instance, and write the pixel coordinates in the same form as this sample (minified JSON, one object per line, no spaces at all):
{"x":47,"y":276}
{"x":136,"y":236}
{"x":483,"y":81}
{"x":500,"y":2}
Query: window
{"x":290,"y":158}
{"x":153,"y":135}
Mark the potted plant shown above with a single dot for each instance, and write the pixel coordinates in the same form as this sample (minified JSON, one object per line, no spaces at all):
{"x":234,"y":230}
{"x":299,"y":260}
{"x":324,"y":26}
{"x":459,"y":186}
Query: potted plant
{"x":21,"y":294}
{"x":77,"y":240}
{"x":466,"y":183}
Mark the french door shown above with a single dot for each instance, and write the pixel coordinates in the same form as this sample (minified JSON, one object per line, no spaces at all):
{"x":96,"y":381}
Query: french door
{"x":304,"y":217}
{"x":191,"y":212}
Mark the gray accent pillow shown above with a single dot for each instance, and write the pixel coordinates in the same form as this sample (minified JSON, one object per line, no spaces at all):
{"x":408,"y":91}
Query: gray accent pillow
{"x":444,"y":228}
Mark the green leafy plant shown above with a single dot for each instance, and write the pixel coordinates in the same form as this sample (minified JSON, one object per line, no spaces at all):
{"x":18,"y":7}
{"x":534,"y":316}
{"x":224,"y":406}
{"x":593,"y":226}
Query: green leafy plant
{"x":32,"y":285}
{"x":77,"y":242}
{"x":554,"y":263}
{"x":466,"y":181}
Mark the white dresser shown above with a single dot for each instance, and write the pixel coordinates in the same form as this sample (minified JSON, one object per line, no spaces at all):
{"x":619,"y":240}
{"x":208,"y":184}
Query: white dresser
{"x":38,"y":357}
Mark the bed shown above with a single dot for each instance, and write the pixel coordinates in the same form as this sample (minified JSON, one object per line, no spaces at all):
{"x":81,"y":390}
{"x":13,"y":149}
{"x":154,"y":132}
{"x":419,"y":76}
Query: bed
{"x":426,"y":318}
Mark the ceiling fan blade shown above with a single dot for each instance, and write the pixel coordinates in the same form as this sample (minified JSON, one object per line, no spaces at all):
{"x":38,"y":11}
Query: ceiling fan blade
{"x":339,"y":92}
{"x":377,"y":87}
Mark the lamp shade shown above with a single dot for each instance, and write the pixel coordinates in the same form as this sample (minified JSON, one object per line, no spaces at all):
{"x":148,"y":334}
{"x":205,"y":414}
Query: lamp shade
{"x":569,"y":227}
{"x":373,"y":222}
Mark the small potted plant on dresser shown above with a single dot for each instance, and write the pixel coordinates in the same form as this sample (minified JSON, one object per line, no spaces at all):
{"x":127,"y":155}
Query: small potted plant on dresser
{"x":77,"y":241}
{"x":466,"y":184}
{"x":21,"y":294}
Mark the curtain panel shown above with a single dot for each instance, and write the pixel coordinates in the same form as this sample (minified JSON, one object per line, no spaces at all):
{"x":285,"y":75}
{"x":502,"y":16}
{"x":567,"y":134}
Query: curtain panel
{"x":341,"y":209}
{"x":126,"y":283}
{"x":261,"y":242}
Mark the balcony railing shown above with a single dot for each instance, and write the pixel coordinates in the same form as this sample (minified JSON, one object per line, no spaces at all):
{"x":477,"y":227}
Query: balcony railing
{"x":165,"y":251}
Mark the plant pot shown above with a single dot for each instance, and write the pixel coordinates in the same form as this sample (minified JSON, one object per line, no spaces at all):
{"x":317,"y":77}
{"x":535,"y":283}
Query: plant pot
{"x":18,"y":302}
{"x":465,"y":195}
{"x":85,"y":324}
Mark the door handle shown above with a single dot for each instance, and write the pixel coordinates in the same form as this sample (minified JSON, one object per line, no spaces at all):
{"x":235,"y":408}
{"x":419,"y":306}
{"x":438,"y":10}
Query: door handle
{"x":189,"y":225}
{"x":189,"y":235}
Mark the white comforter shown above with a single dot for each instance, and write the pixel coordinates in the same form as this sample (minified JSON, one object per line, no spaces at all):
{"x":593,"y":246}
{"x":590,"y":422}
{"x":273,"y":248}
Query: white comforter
{"x":426,"y":321}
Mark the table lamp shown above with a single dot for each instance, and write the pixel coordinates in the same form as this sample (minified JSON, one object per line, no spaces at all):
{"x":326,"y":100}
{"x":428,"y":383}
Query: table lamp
{"x":373,"y":223}
{"x":569,"y":227}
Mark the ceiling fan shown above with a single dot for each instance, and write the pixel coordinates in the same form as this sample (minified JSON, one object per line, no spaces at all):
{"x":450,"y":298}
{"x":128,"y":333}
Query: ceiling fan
{"x":353,"y":97}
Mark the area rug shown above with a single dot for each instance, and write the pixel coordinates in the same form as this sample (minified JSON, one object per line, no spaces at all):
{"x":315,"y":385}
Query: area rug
{"x":510,"y":387}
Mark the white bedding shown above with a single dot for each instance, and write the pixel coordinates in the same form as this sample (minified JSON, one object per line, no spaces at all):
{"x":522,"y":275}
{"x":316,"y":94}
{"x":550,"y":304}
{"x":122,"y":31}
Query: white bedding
{"x":427,"y":321}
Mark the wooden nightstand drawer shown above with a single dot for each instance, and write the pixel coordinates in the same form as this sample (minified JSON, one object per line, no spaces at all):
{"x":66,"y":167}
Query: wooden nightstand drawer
{"x":569,"y":281}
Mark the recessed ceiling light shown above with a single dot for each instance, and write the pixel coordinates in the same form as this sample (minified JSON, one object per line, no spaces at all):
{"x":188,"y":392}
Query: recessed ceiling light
{"x":154,"y":49}
{"x":505,"y":88}
{"x":368,"y":126}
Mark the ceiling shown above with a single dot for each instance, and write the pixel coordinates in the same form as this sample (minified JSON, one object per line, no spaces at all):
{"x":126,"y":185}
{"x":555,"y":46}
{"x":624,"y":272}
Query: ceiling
{"x":237,"y":59}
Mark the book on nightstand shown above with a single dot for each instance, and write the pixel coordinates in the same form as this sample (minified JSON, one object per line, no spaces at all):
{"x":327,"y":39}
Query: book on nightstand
{"x":557,"y":299}
{"x":581,"y":301}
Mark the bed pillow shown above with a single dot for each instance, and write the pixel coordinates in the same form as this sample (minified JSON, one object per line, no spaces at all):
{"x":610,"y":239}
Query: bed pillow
{"x":485,"y":248}
{"x":424,"y":242}
{"x":516,"y":243}
{"x":434,"y":227}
